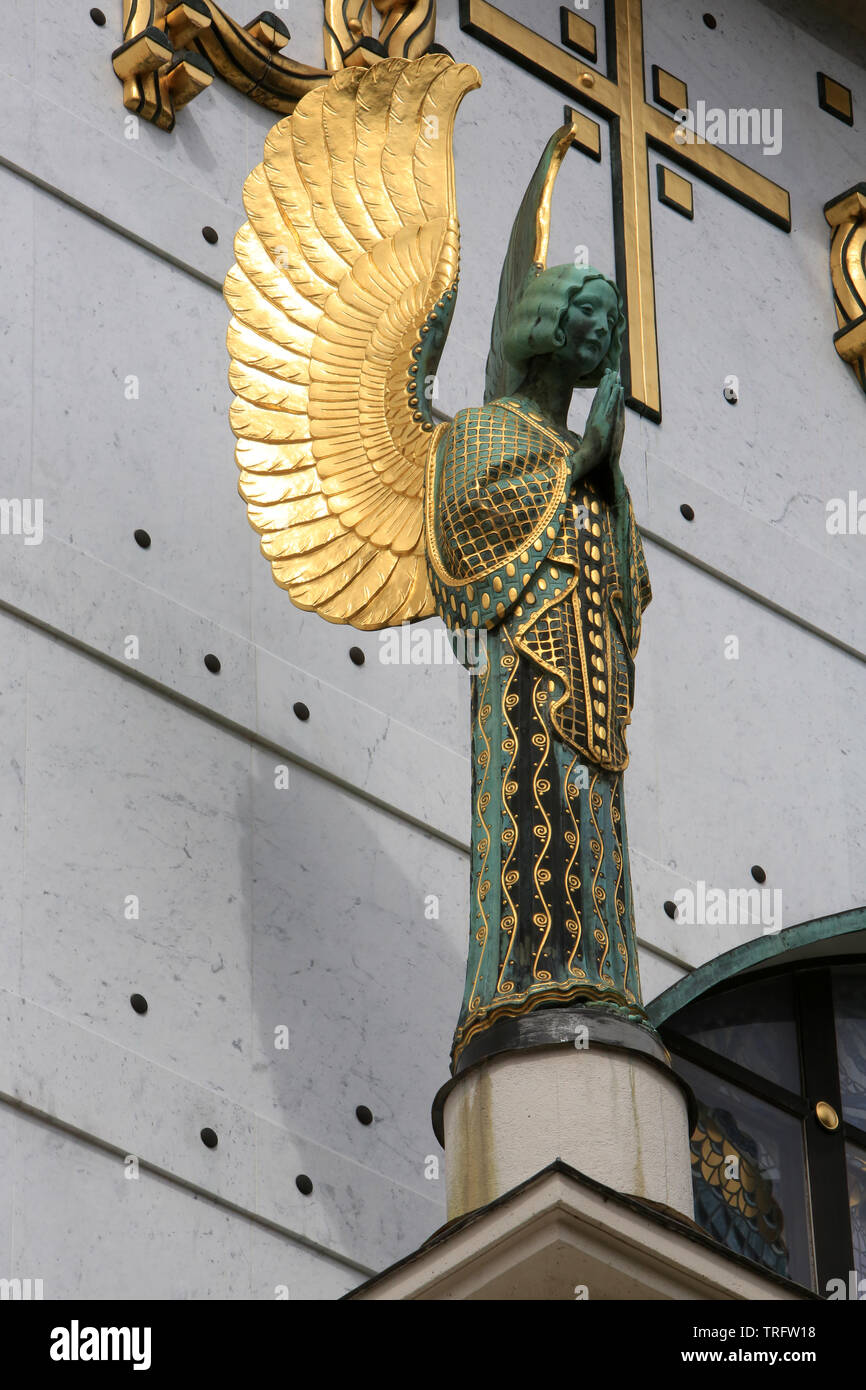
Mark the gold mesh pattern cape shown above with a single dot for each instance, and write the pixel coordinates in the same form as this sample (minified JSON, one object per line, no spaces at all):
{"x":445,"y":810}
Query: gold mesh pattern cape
{"x":500,"y":516}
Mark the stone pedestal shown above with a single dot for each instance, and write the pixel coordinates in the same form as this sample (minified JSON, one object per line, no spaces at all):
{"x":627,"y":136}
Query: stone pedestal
{"x":560,"y":1237}
{"x":598,"y":1095}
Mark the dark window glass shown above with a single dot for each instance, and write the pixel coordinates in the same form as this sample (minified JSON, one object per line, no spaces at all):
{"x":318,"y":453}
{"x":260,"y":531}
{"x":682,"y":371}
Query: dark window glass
{"x":849,"y":1001}
{"x":749,"y":1175}
{"x":856,"y":1161}
{"x":753,"y":1026}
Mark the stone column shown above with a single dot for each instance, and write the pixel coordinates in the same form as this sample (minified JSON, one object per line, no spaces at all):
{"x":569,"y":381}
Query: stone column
{"x":590,"y":1089}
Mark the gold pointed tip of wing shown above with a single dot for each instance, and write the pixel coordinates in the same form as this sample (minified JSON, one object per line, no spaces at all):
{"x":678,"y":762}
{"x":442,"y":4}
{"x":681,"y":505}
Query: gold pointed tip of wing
{"x":465,"y":77}
{"x":472,"y":76}
{"x":561,"y":141}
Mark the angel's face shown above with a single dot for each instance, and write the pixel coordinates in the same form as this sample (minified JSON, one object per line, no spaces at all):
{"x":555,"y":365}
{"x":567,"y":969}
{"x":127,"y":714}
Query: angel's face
{"x":588,"y":323}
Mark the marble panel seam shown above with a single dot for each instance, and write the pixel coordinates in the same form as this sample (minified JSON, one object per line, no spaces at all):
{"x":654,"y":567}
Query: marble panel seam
{"x":740,"y":586}
{"x":141,"y":1088}
{"x":110,"y":224}
{"x":248,"y":728}
{"x":185,"y":1184}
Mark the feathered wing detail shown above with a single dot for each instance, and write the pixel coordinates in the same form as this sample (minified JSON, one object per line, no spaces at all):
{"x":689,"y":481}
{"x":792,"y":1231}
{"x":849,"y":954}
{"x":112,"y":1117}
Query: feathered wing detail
{"x":525,"y":258}
{"x":342,"y":292}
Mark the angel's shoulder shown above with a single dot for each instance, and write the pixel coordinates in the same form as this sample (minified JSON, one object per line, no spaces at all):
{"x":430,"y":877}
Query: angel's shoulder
{"x":492,"y":420}
{"x":475,"y":414}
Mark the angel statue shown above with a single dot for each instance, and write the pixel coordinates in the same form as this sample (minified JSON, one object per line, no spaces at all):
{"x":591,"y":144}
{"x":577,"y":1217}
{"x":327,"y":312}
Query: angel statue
{"x":500,"y":520}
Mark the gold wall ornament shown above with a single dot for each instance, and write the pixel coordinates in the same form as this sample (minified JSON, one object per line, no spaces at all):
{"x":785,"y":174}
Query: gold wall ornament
{"x":835,"y":98}
{"x":846,"y":215}
{"x":342,"y":294}
{"x":407,"y":29}
{"x":635,"y":127}
{"x":172,"y":49}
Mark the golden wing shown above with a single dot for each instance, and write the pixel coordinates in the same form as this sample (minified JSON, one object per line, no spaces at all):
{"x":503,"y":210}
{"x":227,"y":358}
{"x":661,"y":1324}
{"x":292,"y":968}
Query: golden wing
{"x":342,"y":294}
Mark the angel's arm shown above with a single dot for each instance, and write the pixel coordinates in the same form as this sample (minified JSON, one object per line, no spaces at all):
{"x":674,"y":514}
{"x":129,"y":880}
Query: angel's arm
{"x":496,"y":491}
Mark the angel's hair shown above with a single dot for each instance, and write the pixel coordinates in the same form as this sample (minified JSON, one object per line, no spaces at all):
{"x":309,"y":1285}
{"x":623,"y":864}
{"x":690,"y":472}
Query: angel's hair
{"x":536,"y":330}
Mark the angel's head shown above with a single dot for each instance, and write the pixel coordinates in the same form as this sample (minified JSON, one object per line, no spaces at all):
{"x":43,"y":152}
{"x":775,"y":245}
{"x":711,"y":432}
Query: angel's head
{"x":572,"y":315}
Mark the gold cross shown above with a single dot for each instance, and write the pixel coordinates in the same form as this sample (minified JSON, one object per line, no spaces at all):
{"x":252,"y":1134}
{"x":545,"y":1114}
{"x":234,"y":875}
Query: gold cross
{"x":635,"y":126}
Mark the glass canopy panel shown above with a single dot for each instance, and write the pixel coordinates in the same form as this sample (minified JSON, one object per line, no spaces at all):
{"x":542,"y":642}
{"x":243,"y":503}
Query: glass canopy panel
{"x":753,"y":1025}
{"x":749,"y":1176}
{"x":849,"y":1001}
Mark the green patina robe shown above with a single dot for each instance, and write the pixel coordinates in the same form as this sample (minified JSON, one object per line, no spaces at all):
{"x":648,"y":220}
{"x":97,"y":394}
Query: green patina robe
{"x":557,"y":577}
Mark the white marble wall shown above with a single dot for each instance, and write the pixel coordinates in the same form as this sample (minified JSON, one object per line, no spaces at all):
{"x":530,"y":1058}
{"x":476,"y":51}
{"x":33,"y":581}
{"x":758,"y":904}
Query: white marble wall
{"x":309,"y":907}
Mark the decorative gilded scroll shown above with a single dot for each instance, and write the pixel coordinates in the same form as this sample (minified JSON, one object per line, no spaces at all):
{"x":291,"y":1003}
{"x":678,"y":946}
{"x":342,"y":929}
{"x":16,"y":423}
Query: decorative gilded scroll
{"x":846,"y":215}
{"x":172,"y":49}
{"x":407,"y":30}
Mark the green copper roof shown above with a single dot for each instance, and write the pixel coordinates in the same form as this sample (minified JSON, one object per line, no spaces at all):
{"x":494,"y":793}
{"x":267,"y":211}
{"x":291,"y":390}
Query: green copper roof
{"x":760,"y":952}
